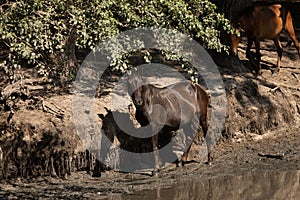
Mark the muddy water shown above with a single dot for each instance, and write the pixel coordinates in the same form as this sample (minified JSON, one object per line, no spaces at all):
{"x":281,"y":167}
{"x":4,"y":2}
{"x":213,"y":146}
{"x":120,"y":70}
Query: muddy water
{"x":264,"y":185}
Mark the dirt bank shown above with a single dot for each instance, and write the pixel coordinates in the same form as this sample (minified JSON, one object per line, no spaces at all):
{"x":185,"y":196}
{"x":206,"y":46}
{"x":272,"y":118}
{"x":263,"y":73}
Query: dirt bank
{"x":42,"y":154}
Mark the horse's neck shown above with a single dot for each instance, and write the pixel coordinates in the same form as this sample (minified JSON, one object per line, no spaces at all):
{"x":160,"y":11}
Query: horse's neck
{"x":149,"y":88}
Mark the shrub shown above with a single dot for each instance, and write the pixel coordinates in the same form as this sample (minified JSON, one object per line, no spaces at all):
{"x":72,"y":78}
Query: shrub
{"x":52,"y":36}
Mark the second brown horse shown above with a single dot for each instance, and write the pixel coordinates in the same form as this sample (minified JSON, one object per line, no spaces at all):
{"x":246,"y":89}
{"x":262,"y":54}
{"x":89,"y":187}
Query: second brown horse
{"x":264,"y":22}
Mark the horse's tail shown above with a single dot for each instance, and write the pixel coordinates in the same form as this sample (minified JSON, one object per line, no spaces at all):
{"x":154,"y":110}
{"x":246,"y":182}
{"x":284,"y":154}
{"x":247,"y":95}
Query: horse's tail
{"x":289,"y":26}
{"x":286,"y":17}
{"x":283,"y":15}
{"x":203,"y":100}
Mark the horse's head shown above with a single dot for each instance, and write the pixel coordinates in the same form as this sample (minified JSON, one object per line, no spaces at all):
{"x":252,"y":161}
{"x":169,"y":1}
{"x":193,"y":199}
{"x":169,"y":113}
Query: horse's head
{"x":240,"y":24}
{"x":235,"y":39}
{"x":134,"y":84}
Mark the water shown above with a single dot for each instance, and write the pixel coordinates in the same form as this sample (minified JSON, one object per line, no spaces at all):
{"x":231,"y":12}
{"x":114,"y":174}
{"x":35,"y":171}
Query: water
{"x":259,"y":186}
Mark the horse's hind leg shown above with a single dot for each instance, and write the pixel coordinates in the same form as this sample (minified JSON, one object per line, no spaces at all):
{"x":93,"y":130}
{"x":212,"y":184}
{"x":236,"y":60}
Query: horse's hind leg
{"x":185,"y":155}
{"x":203,"y":100}
{"x":208,"y":139}
{"x":279,"y":52}
{"x":255,"y":65}
{"x":258,"y":56}
{"x":188,"y":131}
{"x":291,"y":32}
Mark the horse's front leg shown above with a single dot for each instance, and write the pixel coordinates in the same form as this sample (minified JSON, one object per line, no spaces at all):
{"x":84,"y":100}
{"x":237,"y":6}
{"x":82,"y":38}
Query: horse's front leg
{"x":155,"y":151}
{"x":249,"y":45}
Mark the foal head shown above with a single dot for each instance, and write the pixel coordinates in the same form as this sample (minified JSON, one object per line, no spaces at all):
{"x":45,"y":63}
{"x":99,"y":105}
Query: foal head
{"x":241,"y":23}
{"x":134,"y":84}
{"x":235,"y":40}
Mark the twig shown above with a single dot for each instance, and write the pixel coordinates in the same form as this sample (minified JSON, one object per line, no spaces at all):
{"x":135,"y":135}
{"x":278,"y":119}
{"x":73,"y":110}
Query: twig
{"x":277,"y":156}
{"x":274,"y":89}
{"x":52,"y":109}
{"x":295,"y":75}
{"x":290,"y":87}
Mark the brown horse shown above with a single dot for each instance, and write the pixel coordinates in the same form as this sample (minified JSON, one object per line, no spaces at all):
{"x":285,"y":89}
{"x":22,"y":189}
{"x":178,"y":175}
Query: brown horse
{"x":264,"y":22}
{"x":182,"y":105}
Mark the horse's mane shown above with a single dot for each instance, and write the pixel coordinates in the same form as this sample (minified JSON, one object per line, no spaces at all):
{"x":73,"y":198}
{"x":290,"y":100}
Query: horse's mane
{"x":246,"y":12}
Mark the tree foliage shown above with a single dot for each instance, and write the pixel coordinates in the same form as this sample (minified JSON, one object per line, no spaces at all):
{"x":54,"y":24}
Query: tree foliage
{"x":50,"y":36}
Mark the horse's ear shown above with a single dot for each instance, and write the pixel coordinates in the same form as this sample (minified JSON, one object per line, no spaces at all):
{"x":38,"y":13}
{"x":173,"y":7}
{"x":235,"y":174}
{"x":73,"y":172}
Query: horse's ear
{"x":132,"y":71}
{"x":101,"y":116}
{"x":107,"y":110}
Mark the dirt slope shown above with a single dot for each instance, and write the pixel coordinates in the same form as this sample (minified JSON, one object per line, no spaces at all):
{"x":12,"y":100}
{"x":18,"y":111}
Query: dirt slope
{"x":38,"y":137}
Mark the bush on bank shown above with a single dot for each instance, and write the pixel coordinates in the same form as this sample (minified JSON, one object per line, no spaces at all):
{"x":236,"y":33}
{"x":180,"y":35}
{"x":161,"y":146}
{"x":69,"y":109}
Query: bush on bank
{"x":52,"y":37}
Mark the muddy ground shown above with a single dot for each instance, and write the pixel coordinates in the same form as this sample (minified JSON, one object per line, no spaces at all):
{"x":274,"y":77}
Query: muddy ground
{"x":42,"y":156}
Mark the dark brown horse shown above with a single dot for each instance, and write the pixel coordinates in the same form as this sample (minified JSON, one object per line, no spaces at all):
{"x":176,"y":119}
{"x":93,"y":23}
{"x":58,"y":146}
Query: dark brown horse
{"x":181,"y":105}
{"x":264,"y":22}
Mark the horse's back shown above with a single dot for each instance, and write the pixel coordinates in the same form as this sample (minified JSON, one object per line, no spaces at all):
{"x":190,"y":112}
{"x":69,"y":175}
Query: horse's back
{"x":190,"y":97}
{"x":195,"y":94}
{"x":188,"y":90}
{"x":267,"y":21}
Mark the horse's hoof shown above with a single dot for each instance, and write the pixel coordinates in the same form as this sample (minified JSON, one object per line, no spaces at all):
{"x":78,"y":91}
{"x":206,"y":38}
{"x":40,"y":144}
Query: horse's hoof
{"x":155,"y":172}
{"x":274,"y":73}
{"x":208,"y":162}
{"x":96,"y":174}
{"x":258,"y":73}
{"x":180,"y":164}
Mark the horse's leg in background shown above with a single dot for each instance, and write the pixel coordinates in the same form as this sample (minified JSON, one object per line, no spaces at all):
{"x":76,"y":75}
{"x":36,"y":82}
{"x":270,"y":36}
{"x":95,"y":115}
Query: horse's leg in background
{"x":279,"y":52}
{"x":258,"y":56}
{"x":187,"y":130}
{"x":249,"y":45}
{"x":291,"y":32}
{"x":209,"y":139}
{"x":155,"y":149}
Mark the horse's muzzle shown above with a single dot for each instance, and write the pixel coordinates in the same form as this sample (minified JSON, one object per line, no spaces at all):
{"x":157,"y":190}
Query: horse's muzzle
{"x":138,"y":102}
